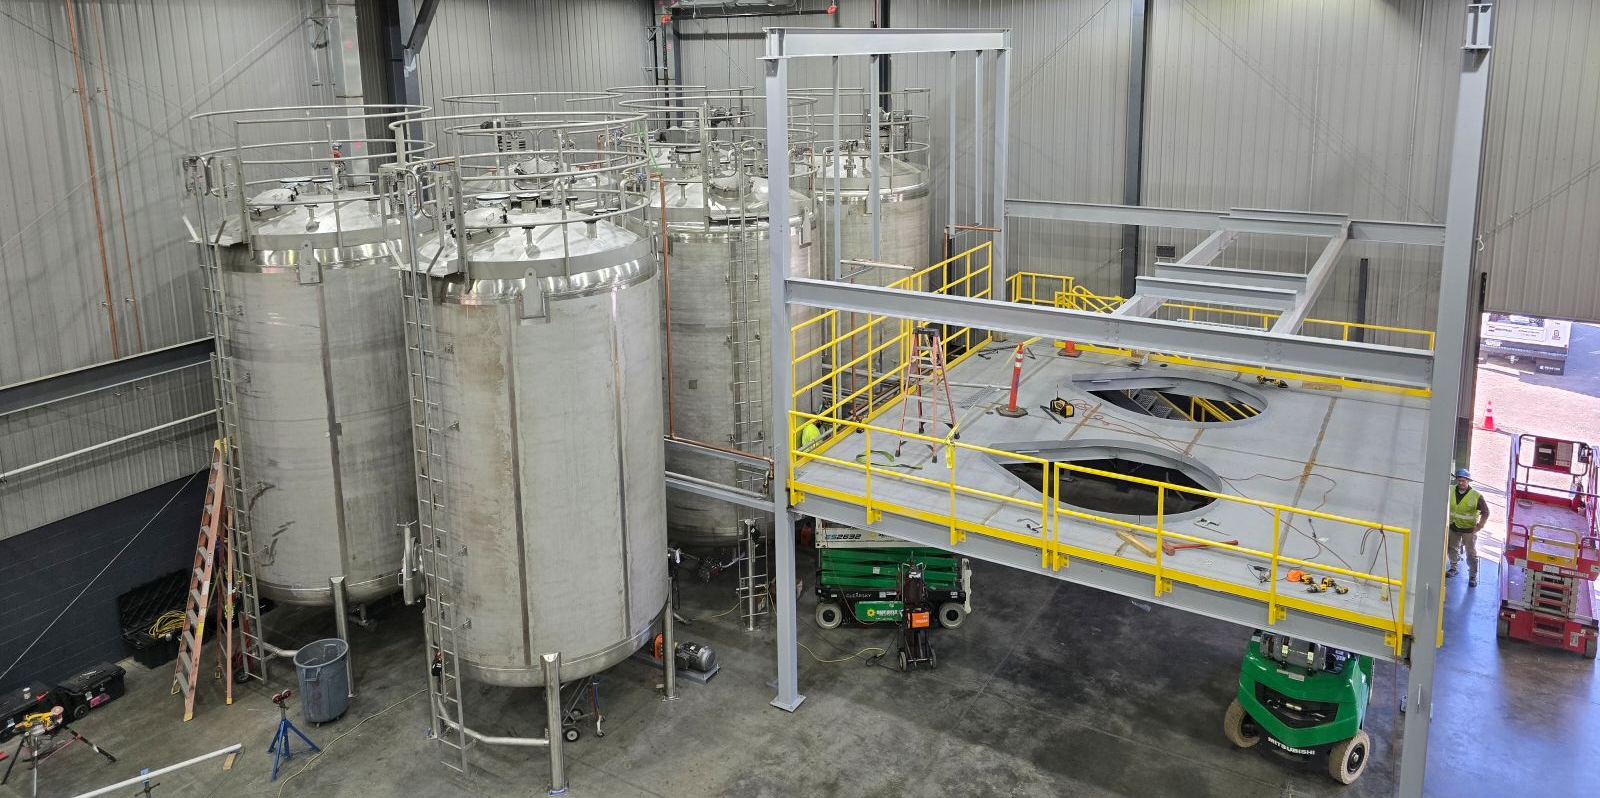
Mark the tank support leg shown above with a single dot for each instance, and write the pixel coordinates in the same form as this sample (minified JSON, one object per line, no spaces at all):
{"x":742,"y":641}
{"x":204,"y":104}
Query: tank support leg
{"x":669,"y":654}
{"x":553,"y":722}
{"x":341,"y":623}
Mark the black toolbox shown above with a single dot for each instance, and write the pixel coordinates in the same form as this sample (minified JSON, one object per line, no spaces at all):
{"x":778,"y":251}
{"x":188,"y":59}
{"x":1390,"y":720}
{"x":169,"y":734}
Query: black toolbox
{"x":22,"y":701}
{"x":138,"y":608}
{"x":89,"y":689}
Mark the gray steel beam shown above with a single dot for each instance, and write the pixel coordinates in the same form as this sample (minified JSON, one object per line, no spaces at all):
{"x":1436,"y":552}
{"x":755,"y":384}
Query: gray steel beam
{"x":1291,"y":320}
{"x":1456,"y":285}
{"x":787,"y":642}
{"x":1271,"y":225}
{"x":21,"y":396}
{"x":1209,"y":249}
{"x":1103,"y":213}
{"x":1133,"y":146}
{"x":1289,"y":281}
{"x":417,"y":33}
{"x":1000,"y":269}
{"x":1189,"y":598}
{"x":1244,"y":296}
{"x":784,"y":43}
{"x":713,"y":490}
{"x":1387,"y":364}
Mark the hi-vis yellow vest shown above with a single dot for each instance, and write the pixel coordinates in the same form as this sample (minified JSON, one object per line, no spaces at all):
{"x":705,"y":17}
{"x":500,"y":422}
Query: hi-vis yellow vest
{"x":1464,"y":508}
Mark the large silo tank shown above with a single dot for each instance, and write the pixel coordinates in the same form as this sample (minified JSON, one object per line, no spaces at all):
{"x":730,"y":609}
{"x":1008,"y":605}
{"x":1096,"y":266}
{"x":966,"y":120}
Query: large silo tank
{"x":548,"y":352}
{"x":905,"y":204}
{"x":708,"y":191}
{"x":312,"y":331}
{"x":719,"y":318}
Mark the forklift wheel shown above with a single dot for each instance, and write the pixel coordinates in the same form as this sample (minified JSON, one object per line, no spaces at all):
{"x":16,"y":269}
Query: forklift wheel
{"x":951,"y":614}
{"x":1238,"y":726}
{"x":572,"y":735}
{"x":1503,"y":629}
{"x":1348,"y":759}
{"x":829,"y":615}
{"x":1589,"y":648}
{"x":904,"y":666}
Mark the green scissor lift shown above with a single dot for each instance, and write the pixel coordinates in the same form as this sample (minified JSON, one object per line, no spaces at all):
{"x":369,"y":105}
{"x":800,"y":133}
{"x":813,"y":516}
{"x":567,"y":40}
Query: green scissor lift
{"x":863,"y":584}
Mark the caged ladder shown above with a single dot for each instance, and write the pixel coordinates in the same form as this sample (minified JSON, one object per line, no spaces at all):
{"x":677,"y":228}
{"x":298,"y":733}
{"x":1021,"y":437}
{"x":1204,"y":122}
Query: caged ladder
{"x":439,"y":547}
{"x":208,"y":180}
{"x":748,"y":305}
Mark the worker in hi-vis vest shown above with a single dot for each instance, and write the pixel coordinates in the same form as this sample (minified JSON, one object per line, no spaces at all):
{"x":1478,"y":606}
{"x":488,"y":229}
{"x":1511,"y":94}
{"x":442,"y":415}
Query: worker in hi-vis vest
{"x":808,"y":436}
{"x":1468,"y":513}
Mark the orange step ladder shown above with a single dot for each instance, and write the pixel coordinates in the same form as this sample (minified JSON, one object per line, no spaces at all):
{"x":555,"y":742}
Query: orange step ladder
{"x":208,"y":547}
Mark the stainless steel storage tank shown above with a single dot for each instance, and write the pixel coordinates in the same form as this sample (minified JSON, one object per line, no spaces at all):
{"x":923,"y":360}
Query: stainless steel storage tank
{"x":904,"y":187}
{"x":708,"y":192}
{"x":306,"y":310}
{"x":548,"y":503}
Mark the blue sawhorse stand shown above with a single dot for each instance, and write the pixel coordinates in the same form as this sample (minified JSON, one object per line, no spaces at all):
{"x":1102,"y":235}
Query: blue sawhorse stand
{"x":280,"y":740}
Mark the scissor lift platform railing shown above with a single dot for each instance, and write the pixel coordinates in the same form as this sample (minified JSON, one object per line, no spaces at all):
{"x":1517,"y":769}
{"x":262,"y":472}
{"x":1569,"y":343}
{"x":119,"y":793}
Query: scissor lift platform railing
{"x":965,"y":503}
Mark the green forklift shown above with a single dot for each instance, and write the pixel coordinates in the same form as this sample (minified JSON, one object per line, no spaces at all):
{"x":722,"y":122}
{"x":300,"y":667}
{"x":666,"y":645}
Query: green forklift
{"x":1307,"y":700}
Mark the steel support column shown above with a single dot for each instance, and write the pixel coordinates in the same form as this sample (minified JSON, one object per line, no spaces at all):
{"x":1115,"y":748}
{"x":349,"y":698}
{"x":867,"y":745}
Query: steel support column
{"x":1002,"y":140}
{"x":1133,"y":146}
{"x":1456,"y":285}
{"x":783,"y":519}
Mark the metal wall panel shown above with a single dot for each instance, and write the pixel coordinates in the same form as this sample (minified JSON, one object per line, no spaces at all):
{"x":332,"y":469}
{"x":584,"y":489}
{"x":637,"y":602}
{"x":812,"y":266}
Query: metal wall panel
{"x":1541,"y":183}
{"x":1069,"y":78}
{"x":146,"y":68}
{"x":1339,"y":107}
{"x":481,"y":46}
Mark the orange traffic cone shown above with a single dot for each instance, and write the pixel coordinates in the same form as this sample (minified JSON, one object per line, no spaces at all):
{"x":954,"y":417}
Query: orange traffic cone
{"x":1488,"y":415}
{"x":1069,"y":349}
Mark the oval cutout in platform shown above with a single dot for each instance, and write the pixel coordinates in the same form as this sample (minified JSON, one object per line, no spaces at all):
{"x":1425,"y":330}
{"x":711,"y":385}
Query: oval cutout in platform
{"x":1110,"y":495}
{"x":1175,"y":397}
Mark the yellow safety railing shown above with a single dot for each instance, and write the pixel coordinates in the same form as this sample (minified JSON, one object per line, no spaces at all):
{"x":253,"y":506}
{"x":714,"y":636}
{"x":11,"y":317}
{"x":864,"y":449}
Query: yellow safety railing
{"x":1063,"y":292}
{"x":837,"y":355}
{"x":850,"y":365}
{"x":1057,"y":546}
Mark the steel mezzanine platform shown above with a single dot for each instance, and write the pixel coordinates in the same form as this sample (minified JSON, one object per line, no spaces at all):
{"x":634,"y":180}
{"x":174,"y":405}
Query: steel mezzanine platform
{"x":1324,"y":479}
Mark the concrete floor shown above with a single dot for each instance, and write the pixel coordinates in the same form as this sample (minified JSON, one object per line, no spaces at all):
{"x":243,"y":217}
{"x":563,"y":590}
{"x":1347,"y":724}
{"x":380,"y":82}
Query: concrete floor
{"x":1049,"y":689}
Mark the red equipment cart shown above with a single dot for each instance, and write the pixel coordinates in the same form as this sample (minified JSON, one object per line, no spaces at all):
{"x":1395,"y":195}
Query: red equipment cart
{"x":1552,"y":552}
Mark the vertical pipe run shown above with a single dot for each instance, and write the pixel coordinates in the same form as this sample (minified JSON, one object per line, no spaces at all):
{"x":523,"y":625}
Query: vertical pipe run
{"x":551,"y":665}
{"x":874,"y":200}
{"x":1456,"y":285}
{"x":94,"y":180}
{"x":838,"y":229}
{"x":341,"y":623}
{"x":950,"y":158}
{"x":999,"y":277}
{"x":669,"y":654}
{"x":977,"y":138}
{"x":782,"y":438}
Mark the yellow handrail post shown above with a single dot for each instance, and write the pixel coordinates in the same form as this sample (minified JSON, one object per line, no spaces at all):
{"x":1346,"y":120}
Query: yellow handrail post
{"x":1047,"y":551}
{"x":1161,"y":525}
{"x":950,"y":466}
{"x":1400,"y":601}
{"x":868,"y":433}
{"x":1272,"y":597}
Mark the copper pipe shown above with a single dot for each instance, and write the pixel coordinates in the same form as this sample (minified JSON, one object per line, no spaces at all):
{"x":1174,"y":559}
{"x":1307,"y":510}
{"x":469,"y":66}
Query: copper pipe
{"x":94,"y":181}
{"x":116,"y":173}
{"x":715,"y":448}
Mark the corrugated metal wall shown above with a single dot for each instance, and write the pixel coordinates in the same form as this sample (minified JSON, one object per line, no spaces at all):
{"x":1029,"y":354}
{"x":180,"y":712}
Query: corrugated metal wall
{"x":1343,"y":107}
{"x":482,"y":46}
{"x":1540,"y":210}
{"x":146,"y":68}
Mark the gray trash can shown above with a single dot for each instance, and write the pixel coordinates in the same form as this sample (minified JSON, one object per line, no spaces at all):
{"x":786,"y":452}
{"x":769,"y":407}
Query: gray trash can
{"x":324,"y":682}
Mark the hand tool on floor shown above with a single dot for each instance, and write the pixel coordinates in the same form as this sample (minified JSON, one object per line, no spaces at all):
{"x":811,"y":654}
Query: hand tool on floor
{"x":1173,"y":548}
{"x":1149,"y":550}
